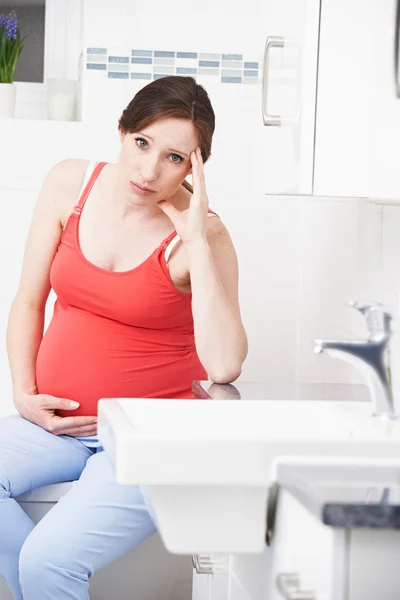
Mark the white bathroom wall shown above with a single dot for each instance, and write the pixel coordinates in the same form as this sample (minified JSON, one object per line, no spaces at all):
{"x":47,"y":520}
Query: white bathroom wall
{"x":340,"y":248}
{"x":302,"y":260}
{"x":389,"y":273}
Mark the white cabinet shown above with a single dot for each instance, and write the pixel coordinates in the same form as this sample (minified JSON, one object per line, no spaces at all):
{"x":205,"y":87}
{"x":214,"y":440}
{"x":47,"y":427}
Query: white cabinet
{"x":358,"y":113}
{"x":303,"y":548}
{"x":289,"y":34}
{"x":330,"y":563}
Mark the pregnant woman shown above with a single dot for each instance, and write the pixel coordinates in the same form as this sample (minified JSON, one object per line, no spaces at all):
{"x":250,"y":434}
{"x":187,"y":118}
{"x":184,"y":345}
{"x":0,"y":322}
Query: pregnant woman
{"x":147,"y":301}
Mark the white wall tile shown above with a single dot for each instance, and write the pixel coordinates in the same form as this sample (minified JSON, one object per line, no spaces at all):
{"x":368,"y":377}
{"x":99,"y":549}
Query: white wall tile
{"x":389,"y":276}
{"x":112,"y":22}
{"x":265,"y":232}
{"x":340,"y":247}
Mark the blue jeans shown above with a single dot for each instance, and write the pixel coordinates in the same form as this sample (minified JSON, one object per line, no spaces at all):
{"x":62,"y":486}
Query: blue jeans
{"x":93,"y":524}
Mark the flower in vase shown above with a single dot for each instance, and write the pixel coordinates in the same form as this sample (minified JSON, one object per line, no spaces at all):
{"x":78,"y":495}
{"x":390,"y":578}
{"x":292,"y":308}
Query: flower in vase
{"x":10,"y":46}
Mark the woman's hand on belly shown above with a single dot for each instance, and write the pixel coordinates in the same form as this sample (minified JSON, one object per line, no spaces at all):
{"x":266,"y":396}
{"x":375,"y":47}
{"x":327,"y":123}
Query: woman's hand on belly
{"x":40,"y":409}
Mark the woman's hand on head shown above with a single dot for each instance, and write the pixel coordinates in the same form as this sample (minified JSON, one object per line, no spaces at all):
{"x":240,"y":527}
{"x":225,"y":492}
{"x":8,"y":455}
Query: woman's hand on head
{"x":40,"y":409}
{"x":191,"y":224}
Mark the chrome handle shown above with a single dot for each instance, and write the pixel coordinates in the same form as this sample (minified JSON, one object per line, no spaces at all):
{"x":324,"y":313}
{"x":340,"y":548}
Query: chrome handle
{"x":269,"y":120}
{"x":377,"y":318}
{"x":289,"y":586}
{"x":205,"y":565}
{"x":396,"y":50}
{"x":202,"y":564}
{"x":364,"y":305}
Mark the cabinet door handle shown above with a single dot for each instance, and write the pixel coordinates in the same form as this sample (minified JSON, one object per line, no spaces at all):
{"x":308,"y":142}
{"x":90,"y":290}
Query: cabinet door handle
{"x":396,"y":50}
{"x":202,"y":564}
{"x":205,"y":565}
{"x":289,"y":586}
{"x":269,"y":120}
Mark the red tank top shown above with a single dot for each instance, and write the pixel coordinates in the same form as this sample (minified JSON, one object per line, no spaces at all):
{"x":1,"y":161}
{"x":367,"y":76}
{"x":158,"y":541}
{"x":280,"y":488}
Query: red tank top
{"x":115,"y":334}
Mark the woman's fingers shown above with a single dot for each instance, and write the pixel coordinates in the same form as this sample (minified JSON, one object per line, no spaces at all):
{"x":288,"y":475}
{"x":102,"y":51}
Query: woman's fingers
{"x":80,"y":431}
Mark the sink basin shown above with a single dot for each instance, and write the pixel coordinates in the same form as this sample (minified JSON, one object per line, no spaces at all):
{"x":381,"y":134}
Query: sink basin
{"x":206,"y":464}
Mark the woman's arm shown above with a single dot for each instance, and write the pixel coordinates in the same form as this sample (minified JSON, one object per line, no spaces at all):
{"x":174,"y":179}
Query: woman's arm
{"x":26,"y":317}
{"x":221,"y":340}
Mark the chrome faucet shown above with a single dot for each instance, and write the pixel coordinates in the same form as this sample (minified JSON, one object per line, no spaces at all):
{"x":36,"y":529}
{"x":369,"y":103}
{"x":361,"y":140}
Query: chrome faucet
{"x":370,"y":356}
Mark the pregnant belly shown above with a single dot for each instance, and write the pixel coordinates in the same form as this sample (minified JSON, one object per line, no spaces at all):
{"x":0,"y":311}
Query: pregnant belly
{"x":86,"y":361}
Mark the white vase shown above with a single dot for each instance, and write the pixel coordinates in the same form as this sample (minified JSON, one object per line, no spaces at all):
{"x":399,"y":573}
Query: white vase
{"x":61,"y":99}
{"x":7,"y":99}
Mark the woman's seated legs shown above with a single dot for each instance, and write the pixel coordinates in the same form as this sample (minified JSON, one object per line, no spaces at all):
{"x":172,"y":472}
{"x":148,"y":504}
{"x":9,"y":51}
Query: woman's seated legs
{"x":95,"y":522}
{"x":30,"y":457}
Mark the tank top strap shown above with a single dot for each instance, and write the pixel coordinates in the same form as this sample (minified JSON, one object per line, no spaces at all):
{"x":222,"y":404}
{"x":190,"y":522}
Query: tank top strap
{"x":92,"y":172}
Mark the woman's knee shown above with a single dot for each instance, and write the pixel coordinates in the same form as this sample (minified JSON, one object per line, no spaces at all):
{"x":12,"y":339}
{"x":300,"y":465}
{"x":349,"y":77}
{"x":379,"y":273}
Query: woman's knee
{"x":44,"y":561}
{"x":33,"y":557}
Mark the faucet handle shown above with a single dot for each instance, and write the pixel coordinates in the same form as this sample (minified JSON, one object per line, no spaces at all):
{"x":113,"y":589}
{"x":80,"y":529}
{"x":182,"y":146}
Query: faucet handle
{"x":377,"y":318}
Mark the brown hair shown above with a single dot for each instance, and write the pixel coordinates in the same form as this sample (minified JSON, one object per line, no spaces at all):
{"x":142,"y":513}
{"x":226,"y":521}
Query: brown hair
{"x":174,"y":97}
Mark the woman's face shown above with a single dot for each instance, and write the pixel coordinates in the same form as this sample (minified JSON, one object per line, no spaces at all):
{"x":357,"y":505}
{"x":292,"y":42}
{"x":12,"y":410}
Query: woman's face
{"x":157,"y":158}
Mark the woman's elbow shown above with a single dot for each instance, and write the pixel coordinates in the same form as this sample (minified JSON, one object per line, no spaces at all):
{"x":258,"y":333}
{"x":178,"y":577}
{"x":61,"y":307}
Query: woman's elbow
{"x":225,"y":375}
{"x":230,"y":369}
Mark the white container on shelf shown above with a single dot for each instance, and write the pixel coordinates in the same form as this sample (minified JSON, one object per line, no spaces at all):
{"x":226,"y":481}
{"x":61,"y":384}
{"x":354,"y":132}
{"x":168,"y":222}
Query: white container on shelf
{"x":61,"y":97}
{"x":7,"y":99}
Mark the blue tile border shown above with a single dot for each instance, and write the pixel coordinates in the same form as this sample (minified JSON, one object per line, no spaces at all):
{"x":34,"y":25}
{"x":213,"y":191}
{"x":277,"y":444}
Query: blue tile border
{"x":146,"y":53}
{"x":186,"y":71}
{"x":140,"y":75}
{"x":208,"y":63}
{"x":142,"y":61}
{"x":141,"y":64}
{"x":186,"y":55}
{"x":118,"y":59}
{"x":163,"y":61}
{"x":231,"y":79}
{"x":117,"y":75}
{"x":96,"y":66}
{"x":212,"y":72}
{"x":164,"y":54}
{"x":247,"y":73}
{"x":96,"y":50}
{"x":232,"y":57}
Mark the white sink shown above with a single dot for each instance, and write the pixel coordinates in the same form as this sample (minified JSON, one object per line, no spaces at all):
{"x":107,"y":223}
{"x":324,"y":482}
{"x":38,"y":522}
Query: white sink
{"x":206,"y":464}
